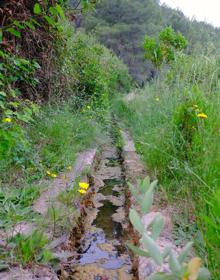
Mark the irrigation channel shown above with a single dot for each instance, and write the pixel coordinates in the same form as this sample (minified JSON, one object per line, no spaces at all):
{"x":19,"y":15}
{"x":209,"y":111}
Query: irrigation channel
{"x":102,"y":253}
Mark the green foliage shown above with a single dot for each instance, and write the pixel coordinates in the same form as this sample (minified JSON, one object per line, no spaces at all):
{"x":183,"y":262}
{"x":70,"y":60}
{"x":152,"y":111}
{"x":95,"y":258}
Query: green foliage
{"x":87,"y":84}
{"x":15,"y":205}
{"x":31,"y":248}
{"x":96,"y":72}
{"x":122,"y":25}
{"x":62,"y":133}
{"x":177,"y":264}
{"x":179,"y":145}
{"x":164,"y":50}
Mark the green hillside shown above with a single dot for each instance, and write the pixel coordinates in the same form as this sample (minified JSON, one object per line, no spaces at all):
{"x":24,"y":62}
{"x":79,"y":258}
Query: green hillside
{"x":121,"y":25}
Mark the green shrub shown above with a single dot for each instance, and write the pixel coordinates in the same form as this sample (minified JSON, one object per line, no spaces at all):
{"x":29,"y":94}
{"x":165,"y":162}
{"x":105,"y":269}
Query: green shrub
{"x":92,"y":72}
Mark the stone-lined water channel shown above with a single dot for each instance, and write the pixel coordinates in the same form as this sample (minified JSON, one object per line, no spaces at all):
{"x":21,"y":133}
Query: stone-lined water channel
{"x":102,"y":254}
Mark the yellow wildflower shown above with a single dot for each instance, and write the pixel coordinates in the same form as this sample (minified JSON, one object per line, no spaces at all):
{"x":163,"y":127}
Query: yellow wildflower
{"x":7,"y":120}
{"x":84,"y":185}
{"x":48,"y":173}
{"x":202,"y":116}
{"x":69,"y":167}
{"x":53,"y":175}
{"x":82,"y":191}
{"x":157,"y":99}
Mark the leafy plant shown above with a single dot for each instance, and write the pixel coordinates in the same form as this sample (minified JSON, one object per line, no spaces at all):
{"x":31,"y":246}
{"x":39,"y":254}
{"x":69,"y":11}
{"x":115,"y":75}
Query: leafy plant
{"x":31,"y":248}
{"x":15,"y":205}
{"x":179,"y":269}
{"x":164,"y":50}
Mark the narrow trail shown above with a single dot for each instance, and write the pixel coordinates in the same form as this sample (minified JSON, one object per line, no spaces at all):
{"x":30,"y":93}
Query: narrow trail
{"x":102,"y":254}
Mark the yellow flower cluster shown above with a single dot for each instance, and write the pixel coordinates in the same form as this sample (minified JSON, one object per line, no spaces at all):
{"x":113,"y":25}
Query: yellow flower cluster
{"x":83,"y":187}
{"x":51,"y":174}
{"x":200,"y":114}
{"x":7,"y":120}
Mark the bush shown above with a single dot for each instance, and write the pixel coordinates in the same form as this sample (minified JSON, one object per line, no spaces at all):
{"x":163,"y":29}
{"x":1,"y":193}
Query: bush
{"x":92,"y":72}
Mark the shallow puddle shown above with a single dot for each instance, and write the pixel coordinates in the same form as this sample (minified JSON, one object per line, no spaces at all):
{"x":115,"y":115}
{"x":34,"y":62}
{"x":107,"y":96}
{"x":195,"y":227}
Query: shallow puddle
{"x":112,"y":187}
{"x":104,"y":220}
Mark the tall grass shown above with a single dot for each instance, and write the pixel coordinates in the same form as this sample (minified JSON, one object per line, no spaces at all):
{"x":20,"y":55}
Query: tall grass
{"x":178,"y":146}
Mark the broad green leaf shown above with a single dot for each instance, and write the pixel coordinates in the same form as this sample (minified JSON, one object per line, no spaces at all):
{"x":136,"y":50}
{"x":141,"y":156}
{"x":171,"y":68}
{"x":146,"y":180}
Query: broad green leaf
{"x":157,"y":226}
{"x":53,"y":11}
{"x":174,"y":263}
{"x":60,"y":11}
{"x":148,"y":198}
{"x":145,"y":184}
{"x":166,"y":252}
{"x":137,"y":251}
{"x":185,"y":252}
{"x":85,"y":4}
{"x":2,"y":93}
{"x":37,"y":9}
{"x":136,"y":221}
{"x":204,"y":274}
{"x":2,"y":105}
{"x":14,"y":32}
{"x":154,"y":184}
{"x":134,"y":193}
{"x":151,"y":246}
{"x":147,"y":201}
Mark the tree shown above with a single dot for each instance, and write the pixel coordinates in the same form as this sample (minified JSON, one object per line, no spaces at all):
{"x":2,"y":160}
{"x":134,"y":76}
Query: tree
{"x":163,"y":49}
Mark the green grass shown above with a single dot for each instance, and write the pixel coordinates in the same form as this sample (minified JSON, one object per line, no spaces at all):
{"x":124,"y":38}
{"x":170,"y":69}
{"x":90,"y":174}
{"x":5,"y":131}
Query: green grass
{"x":31,"y":248}
{"x":15,"y":205}
{"x":181,"y":149}
{"x":54,"y":138}
{"x":60,"y":134}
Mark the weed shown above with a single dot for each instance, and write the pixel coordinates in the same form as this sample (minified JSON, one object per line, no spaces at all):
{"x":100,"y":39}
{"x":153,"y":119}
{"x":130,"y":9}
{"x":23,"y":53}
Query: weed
{"x":15,"y":205}
{"x":179,"y":265}
{"x":28,"y":249}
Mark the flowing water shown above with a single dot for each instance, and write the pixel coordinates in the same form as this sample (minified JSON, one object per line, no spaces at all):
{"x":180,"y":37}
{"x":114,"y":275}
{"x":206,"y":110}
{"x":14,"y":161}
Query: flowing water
{"x":102,"y":254}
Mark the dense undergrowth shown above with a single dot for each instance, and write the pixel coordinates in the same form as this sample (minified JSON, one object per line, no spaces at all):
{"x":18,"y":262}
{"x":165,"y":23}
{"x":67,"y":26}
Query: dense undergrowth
{"x":54,"y":102}
{"x":175,"y":123}
{"x":36,"y":138}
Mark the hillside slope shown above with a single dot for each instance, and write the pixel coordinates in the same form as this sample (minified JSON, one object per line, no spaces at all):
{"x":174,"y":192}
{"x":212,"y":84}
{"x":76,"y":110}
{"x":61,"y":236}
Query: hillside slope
{"x":122,"y":25}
